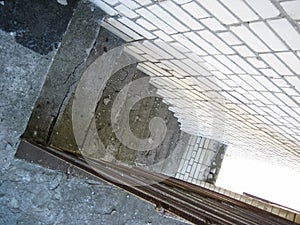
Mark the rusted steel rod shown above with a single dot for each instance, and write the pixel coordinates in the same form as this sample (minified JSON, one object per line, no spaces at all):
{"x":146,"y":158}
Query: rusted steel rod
{"x":193,"y":203}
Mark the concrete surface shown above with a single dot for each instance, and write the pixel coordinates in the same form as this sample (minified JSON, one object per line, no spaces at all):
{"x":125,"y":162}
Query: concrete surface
{"x":34,"y":24}
{"x":230,"y":69}
{"x":30,"y":194}
{"x":53,"y":121}
{"x":65,"y":70}
{"x":140,"y":116}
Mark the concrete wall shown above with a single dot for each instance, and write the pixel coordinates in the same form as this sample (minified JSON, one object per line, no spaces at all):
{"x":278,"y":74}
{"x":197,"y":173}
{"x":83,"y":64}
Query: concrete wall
{"x":31,"y":194}
{"x":229,"y":69}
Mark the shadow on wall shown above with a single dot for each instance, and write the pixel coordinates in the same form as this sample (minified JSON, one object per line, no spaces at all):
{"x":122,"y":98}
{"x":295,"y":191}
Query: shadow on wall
{"x":34,"y":24}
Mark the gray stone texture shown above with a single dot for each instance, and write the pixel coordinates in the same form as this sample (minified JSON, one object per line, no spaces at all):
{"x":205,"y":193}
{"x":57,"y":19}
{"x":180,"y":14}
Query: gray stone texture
{"x":31,"y":194}
{"x":67,"y":66}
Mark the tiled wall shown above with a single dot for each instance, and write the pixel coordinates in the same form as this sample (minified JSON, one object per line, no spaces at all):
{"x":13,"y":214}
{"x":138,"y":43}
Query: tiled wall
{"x":201,"y":160}
{"x":229,"y":69}
{"x":269,"y":207}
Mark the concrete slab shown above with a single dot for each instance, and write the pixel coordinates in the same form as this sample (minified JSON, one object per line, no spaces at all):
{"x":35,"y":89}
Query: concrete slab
{"x":31,"y":194}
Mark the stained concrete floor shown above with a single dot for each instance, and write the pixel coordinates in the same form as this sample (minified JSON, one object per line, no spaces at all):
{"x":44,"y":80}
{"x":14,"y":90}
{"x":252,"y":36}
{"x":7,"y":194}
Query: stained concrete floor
{"x":31,"y":194}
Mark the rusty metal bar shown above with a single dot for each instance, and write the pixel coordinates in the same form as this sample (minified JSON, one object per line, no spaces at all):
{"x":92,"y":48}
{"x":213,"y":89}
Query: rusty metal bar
{"x":193,"y":203}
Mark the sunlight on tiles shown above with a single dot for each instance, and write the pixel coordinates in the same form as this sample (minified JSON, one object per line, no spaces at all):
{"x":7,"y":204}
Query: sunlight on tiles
{"x":246,"y":51}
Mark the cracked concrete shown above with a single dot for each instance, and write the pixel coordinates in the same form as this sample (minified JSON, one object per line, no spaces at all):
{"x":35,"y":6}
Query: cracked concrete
{"x":31,"y":194}
{"x":67,"y":66}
